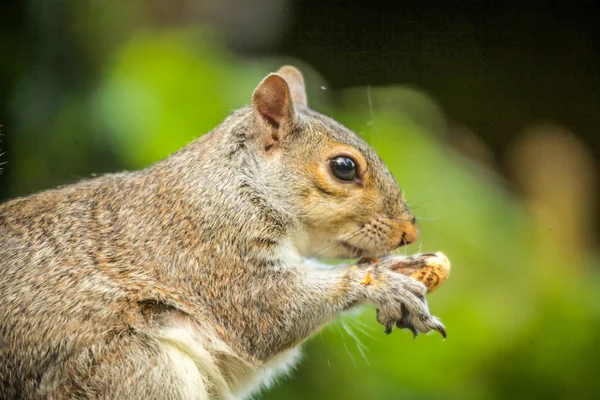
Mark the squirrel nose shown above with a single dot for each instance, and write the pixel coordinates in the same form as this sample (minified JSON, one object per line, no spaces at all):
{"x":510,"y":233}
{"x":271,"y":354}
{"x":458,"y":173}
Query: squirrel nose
{"x":410,"y":234}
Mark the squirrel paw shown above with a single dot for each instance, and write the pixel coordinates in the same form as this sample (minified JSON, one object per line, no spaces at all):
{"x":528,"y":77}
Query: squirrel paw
{"x":408,"y":310}
{"x":432,"y":322}
{"x":424,"y":323}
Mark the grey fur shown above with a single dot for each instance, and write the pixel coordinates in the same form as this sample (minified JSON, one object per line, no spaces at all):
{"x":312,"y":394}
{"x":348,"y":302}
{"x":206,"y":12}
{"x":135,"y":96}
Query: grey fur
{"x":111,"y":287}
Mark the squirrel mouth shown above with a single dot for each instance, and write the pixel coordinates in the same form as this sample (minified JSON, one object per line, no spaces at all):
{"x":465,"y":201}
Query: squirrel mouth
{"x":356,"y":252}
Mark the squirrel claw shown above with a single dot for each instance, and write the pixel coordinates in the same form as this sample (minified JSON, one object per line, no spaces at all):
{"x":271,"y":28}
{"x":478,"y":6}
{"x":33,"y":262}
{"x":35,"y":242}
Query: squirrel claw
{"x":388,"y":328}
{"x":440,"y":328}
{"x":410,"y":327}
{"x":405,"y":323}
{"x":389,"y":325}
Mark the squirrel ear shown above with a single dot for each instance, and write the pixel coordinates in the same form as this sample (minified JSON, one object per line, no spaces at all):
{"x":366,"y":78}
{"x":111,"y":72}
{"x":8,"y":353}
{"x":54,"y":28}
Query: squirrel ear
{"x":295,"y":81}
{"x":272,"y":100}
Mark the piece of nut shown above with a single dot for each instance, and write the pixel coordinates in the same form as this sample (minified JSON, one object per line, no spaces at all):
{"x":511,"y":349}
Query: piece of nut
{"x":431,"y":269}
{"x":366,"y":280}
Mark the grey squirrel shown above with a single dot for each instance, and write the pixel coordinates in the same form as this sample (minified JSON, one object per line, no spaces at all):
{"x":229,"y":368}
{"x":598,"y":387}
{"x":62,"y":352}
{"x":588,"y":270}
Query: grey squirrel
{"x":193,"y":278}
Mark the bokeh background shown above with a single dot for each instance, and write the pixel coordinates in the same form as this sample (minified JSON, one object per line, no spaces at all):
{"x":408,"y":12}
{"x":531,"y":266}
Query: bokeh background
{"x":487,"y":114}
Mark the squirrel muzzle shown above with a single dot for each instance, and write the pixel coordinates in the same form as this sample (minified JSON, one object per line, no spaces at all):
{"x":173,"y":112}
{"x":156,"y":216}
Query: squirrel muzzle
{"x":410,"y":233}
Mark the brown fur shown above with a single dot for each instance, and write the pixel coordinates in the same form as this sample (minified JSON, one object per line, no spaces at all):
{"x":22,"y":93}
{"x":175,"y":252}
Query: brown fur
{"x":211,"y":243}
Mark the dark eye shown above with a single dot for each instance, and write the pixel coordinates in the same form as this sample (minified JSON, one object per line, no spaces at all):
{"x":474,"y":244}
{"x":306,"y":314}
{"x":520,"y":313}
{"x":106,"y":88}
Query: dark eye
{"x":343,"y":168}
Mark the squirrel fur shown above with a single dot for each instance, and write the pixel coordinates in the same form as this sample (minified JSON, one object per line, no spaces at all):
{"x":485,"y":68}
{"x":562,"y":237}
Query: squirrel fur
{"x":194,"y":278}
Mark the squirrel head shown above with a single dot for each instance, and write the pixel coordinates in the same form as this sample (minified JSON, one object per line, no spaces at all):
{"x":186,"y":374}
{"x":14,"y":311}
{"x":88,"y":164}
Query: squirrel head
{"x":346,"y":202}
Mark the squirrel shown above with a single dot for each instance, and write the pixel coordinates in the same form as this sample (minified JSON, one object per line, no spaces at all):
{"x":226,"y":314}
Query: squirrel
{"x":198,"y":277}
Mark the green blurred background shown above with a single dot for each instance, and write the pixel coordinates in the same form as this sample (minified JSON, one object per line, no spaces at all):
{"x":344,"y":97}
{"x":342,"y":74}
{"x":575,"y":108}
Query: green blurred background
{"x":487,"y":116}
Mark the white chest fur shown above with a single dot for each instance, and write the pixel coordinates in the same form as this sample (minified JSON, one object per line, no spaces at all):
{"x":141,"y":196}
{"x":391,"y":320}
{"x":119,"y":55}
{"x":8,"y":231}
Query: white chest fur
{"x":209,"y":368}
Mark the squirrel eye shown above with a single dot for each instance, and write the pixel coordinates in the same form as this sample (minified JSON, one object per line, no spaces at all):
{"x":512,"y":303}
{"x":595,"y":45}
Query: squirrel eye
{"x":343,"y":168}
